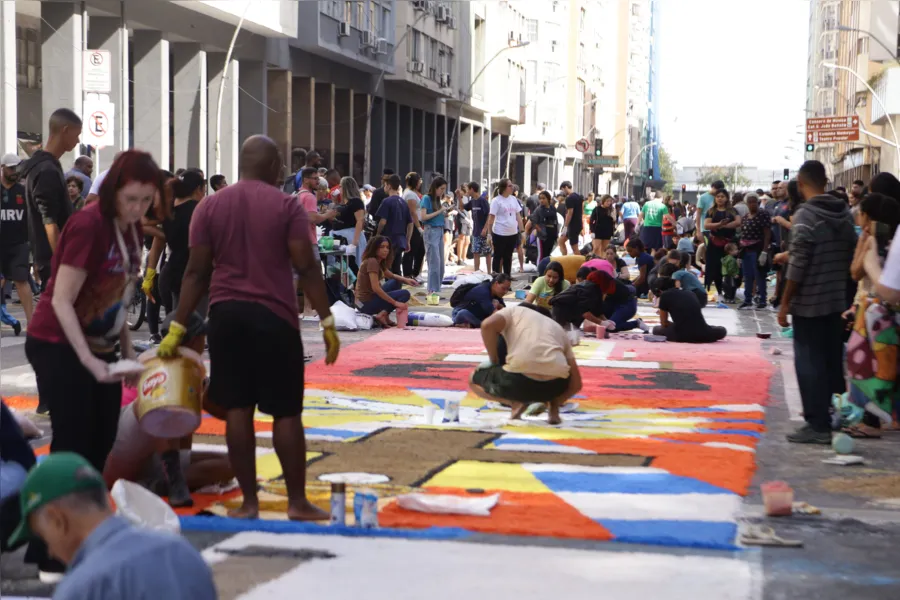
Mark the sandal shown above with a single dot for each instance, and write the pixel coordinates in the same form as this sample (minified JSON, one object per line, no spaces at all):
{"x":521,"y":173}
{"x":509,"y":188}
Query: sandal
{"x":761,"y":535}
{"x":861,"y":432}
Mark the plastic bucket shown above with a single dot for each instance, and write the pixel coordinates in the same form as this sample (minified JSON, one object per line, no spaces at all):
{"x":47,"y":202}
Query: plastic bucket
{"x":170,"y":394}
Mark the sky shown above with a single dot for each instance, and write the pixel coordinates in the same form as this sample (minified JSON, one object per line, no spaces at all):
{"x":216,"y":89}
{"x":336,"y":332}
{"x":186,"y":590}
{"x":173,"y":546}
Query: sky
{"x":733,"y":81}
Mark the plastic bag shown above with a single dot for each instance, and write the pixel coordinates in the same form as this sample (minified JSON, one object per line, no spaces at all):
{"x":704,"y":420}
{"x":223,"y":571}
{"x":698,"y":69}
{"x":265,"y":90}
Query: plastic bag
{"x":143,"y":508}
{"x":364,"y":322}
{"x":476,"y":277}
{"x":344,"y":317}
{"x":449,"y":505}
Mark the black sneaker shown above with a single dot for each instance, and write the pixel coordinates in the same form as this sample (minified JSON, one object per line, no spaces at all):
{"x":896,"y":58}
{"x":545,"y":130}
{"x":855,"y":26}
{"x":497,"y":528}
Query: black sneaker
{"x":807,"y":435}
{"x":762,"y":306}
{"x":17,"y":328}
{"x":155,"y":339}
{"x":745,"y":305}
{"x":42,"y":409}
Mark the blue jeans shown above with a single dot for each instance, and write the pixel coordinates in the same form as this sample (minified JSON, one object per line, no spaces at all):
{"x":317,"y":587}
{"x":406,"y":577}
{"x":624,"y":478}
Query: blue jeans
{"x":621,"y":315}
{"x":462,"y":316}
{"x":753,"y":273}
{"x":434,"y":254}
{"x":377,"y":304}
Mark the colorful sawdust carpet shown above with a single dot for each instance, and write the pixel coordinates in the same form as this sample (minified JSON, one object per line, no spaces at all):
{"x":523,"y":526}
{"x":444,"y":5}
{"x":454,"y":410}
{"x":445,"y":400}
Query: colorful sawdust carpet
{"x":659,"y":450}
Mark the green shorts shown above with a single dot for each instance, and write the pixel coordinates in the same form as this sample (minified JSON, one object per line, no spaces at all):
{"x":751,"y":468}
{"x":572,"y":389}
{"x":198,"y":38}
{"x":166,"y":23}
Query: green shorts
{"x":518,"y":387}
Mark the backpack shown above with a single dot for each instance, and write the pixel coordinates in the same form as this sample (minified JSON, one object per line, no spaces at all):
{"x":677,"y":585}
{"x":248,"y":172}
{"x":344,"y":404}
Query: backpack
{"x":459,"y":294}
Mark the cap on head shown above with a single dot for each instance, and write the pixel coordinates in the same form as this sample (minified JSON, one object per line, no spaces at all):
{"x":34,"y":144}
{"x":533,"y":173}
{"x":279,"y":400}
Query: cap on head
{"x":58,"y":475}
{"x":10,"y":160}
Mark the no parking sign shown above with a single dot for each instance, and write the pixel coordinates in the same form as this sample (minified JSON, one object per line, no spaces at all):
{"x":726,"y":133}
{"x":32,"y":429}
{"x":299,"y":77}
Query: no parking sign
{"x":99,"y":119}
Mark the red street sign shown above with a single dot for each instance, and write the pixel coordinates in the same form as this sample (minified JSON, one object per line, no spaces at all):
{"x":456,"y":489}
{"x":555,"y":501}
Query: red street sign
{"x":833,"y":135}
{"x":832,"y":123}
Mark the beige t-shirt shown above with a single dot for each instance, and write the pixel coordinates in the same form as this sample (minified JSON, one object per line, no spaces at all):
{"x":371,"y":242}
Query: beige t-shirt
{"x":537,"y":346}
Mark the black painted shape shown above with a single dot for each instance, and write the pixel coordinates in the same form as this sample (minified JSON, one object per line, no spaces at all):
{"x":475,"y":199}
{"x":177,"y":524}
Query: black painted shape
{"x":663,"y":380}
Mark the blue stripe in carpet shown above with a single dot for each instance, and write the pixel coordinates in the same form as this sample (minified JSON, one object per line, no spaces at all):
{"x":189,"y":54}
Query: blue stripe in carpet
{"x":622,"y":483}
{"x":226,"y":525}
{"x":690,"y":534}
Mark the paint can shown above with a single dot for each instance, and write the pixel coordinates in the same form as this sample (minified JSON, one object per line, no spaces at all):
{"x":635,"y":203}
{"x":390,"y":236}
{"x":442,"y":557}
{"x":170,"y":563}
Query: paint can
{"x":451,"y":410}
{"x":338,"y":503}
{"x":365,"y":509}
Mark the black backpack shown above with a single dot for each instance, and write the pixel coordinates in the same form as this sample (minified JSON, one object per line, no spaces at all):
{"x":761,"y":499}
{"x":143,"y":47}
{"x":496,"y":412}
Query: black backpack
{"x":459,"y":294}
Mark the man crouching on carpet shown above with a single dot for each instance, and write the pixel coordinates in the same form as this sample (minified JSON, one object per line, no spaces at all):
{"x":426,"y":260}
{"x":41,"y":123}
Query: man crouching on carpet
{"x":531,"y":361}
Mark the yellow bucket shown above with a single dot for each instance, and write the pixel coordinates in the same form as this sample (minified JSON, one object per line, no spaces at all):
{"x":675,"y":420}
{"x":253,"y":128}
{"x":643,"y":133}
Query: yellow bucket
{"x":170,"y":393}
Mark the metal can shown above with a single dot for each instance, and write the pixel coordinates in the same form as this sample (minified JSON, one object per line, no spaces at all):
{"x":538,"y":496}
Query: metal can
{"x":365,"y":509}
{"x":451,"y":410}
{"x":338,"y":503}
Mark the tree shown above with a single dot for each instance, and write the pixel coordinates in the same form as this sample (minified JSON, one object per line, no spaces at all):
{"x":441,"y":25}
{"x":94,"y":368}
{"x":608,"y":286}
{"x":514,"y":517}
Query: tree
{"x":732,"y":175}
{"x":667,"y":168}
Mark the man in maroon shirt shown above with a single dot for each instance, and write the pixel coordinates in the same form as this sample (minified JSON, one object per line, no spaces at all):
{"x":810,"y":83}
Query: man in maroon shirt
{"x":243,"y":242}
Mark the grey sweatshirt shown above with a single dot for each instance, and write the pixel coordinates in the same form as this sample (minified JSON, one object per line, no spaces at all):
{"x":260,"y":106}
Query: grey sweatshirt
{"x":821,"y":248}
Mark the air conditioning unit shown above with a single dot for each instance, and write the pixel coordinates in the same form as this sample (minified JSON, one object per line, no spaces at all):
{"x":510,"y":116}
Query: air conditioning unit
{"x":415,"y":66}
{"x":445,"y":80}
{"x":419,"y":4}
{"x":367,"y":39}
{"x":512,"y":37}
{"x":451,"y":23}
{"x":432,"y":73}
{"x":381,"y":46}
{"x":443,"y":14}
{"x":344,"y":29}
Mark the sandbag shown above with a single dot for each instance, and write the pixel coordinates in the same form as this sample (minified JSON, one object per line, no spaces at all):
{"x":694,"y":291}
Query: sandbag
{"x":420,"y":319}
{"x":141,"y":507}
{"x":344,"y":317}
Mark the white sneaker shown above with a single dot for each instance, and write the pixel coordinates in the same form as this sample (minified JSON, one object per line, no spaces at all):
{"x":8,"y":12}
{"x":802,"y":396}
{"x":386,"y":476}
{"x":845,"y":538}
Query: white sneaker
{"x":643,"y":326}
{"x":50,"y":577}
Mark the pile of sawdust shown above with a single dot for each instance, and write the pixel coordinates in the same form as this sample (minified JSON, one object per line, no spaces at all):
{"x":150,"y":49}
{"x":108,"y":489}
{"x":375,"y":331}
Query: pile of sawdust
{"x":885,"y":486}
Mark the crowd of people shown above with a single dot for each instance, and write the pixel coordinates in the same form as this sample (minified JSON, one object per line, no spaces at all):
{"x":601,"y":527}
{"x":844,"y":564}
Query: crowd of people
{"x":228,"y":263}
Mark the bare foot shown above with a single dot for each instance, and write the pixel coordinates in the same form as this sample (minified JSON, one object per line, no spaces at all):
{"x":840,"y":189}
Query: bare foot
{"x":554,"y":419}
{"x":248,"y":510}
{"x":382,"y":319}
{"x":518,"y":410}
{"x":306,"y":511}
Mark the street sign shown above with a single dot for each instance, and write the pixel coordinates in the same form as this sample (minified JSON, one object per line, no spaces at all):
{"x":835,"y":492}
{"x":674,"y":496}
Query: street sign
{"x":832,"y":123}
{"x":602,"y":161}
{"x":582,"y":145}
{"x":832,"y":135}
{"x":99,"y":123}
{"x":96,"y":72}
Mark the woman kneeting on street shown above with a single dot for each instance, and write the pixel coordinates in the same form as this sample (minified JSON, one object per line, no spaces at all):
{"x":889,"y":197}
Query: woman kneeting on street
{"x":380,"y":300}
{"x":72,"y":337}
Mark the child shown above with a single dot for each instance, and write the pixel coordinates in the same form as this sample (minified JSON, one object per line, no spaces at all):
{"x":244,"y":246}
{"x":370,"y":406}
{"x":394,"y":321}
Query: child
{"x":730,"y":271}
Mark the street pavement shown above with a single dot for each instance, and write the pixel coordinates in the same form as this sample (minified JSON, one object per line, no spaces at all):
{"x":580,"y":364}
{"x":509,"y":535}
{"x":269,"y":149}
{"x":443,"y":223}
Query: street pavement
{"x":849,"y":550}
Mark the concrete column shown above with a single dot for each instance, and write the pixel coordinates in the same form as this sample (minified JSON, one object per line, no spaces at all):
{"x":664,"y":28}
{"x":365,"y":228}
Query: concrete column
{"x":498,"y":159}
{"x":107,"y":33}
{"x":324,"y":117}
{"x":230,"y":115}
{"x":151,"y":94}
{"x":189,"y":114}
{"x":377,"y":142}
{"x":431,"y":149}
{"x":478,"y":153}
{"x":526,"y":174}
{"x":61,"y":44}
{"x":8,"y":92}
{"x":440,"y":144}
{"x":362,"y":134}
{"x":343,"y":131}
{"x":304,"y":98}
{"x":405,"y":138}
{"x":280,"y":120}
{"x":465,"y":152}
{"x":418,"y":142}
{"x":487,"y":155}
{"x":543,"y":172}
{"x":453,"y":169}
{"x":392,"y":139}
{"x":253,"y":114}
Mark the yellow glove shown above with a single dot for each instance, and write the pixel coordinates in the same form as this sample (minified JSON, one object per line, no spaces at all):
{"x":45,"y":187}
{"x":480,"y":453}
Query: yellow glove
{"x":332,"y":343}
{"x":147,"y":285}
{"x":168,"y":347}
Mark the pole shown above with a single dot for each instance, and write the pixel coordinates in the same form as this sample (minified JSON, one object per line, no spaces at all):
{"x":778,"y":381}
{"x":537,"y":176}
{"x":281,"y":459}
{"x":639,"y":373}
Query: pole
{"x":234,"y":37}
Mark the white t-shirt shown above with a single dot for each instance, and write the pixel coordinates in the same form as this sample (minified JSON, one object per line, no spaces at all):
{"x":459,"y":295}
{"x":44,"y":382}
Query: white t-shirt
{"x":890,"y":274}
{"x":505,"y":211}
{"x":537,"y":346}
{"x":95,"y":186}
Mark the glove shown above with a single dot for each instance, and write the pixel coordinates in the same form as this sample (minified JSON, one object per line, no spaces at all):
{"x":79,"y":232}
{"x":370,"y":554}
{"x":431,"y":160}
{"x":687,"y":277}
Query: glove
{"x":329,"y":334}
{"x":763,"y":258}
{"x":168,"y":347}
{"x":147,"y":285}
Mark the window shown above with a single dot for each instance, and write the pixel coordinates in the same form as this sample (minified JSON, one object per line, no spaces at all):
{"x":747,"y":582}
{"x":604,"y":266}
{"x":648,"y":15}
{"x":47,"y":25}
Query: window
{"x":386,"y":24}
{"x":582,"y":19}
{"x":372,"y":20}
{"x":361,"y":16}
{"x":532,"y":28}
{"x":635,"y":10}
{"x":348,"y":12}
{"x":414,"y":45}
{"x":862,"y":45}
{"x":28,"y":58}
{"x":579,"y":111}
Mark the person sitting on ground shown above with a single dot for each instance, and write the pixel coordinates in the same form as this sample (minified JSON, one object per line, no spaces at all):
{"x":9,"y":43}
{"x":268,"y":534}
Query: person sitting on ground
{"x":376,"y":299}
{"x":619,"y":303}
{"x":64,"y":502}
{"x":531,"y":360}
{"x":689,"y":325}
{"x":580,"y":302}
{"x":685,"y":280}
{"x":620,"y":266}
{"x":583,"y":272}
{"x":544,"y":288}
{"x":659,"y":258}
{"x":644,"y":262}
{"x":480,"y":301}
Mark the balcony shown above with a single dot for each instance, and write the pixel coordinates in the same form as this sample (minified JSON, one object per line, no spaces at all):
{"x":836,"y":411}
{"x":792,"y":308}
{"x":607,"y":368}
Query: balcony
{"x":888,"y":89}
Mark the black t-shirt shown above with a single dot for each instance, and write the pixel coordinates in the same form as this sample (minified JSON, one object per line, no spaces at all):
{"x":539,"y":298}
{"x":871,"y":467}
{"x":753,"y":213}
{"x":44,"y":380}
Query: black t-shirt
{"x":546,"y":218}
{"x":576,"y":203}
{"x":177,"y":230}
{"x":718,"y":217}
{"x":346,"y":213}
{"x":684,"y":309}
{"x":378,"y":197}
{"x":13,"y":216}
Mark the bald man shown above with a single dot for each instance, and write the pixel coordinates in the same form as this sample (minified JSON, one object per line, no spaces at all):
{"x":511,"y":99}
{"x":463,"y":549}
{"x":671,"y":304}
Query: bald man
{"x":244,"y":240}
{"x":46,"y":198}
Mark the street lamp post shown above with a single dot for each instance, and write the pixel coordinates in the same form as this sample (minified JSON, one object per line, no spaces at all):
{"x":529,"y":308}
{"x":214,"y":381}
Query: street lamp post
{"x":468,"y":93}
{"x":877,"y":99}
{"x":890,"y":52}
{"x":639,"y":154}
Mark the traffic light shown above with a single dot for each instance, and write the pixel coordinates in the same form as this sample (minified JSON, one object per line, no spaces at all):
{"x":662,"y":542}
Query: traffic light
{"x":650,"y":173}
{"x":598,"y":147}
{"x":787,"y":174}
{"x":683,"y":187}
{"x":810,"y":147}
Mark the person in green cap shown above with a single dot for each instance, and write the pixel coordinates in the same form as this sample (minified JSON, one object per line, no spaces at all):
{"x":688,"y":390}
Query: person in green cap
{"x":65,"y":503}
